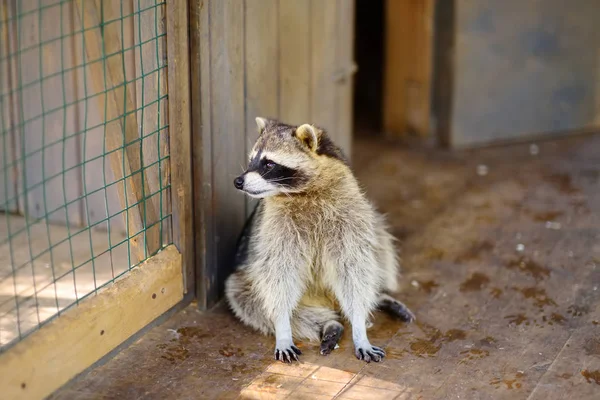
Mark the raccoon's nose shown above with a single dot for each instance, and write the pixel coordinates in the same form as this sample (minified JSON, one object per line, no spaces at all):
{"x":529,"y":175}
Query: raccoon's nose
{"x":238,"y":182}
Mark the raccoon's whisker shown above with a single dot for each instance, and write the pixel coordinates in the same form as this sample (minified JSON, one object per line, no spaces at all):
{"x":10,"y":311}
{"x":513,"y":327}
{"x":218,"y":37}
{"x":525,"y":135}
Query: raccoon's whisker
{"x":278,"y":179}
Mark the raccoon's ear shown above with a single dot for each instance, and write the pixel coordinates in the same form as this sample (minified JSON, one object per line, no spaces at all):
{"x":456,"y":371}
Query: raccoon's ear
{"x":307,"y":135}
{"x":261,"y":123}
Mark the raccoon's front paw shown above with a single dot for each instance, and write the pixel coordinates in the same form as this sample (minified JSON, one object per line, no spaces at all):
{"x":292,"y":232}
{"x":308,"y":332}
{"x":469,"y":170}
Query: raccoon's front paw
{"x":368,"y":353}
{"x":287,"y":353}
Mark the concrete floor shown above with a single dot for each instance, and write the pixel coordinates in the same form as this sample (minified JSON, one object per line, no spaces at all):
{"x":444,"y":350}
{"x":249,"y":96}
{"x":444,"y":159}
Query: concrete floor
{"x":501,"y":261}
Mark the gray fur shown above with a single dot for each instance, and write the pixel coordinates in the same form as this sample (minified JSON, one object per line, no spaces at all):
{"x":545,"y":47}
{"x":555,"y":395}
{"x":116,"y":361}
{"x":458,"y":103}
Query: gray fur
{"x":310,"y":252}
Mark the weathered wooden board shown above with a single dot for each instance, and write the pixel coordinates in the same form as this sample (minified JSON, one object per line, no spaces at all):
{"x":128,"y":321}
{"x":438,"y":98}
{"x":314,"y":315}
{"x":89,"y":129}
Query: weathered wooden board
{"x":228,"y":125}
{"x":323,"y":26}
{"x":295,"y":61}
{"x":151,"y":87}
{"x":343,"y":77}
{"x":180,"y":139}
{"x":201,"y":96}
{"x":263,"y":83}
{"x":408,"y":66}
{"x":44,"y":361}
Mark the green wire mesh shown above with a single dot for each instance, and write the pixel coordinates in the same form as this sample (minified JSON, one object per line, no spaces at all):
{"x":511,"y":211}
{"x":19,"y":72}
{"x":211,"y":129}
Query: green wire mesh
{"x":84,"y":158}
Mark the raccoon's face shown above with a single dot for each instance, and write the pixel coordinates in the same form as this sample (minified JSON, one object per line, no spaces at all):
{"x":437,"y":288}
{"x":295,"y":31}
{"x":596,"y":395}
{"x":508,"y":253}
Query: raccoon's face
{"x":281,"y":161}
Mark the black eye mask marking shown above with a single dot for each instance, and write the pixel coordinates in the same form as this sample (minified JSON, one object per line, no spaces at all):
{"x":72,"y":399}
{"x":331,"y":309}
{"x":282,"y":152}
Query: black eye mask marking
{"x":275,"y":173}
{"x":280,"y":175}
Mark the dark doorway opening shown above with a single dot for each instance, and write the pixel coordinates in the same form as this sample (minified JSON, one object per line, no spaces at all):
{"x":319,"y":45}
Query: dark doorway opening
{"x":369,"y":55}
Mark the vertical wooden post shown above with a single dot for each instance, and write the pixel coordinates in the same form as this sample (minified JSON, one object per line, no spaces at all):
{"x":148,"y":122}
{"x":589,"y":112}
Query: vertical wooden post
{"x":204,"y":220}
{"x":346,"y":69}
{"x":443,"y":64}
{"x":151,"y":88}
{"x":180,"y":135}
{"x":408,"y":61}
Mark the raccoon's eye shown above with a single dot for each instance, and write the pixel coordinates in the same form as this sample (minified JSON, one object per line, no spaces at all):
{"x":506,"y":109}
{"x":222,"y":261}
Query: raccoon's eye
{"x":269,"y":165}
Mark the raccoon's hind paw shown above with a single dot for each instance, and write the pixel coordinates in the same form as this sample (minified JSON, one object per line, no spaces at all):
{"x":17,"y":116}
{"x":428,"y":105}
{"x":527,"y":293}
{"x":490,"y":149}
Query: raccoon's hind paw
{"x":403,"y":312}
{"x":332,"y":332}
{"x":369,"y":353}
{"x":287,"y":354}
{"x":396,"y":308}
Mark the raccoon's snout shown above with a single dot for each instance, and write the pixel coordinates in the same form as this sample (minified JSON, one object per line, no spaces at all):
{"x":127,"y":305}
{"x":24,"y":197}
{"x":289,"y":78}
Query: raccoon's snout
{"x":239,"y":182}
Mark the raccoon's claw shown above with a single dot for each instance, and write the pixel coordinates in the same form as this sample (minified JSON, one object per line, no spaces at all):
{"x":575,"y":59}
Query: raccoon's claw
{"x":369,"y":353}
{"x":287,"y":355}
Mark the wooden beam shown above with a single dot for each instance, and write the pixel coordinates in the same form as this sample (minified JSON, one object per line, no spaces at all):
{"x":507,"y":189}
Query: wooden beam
{"x":204,"y":217}
{"x":108,"y":77}
{"x":152,"y":114}
{"x":47,"y":359}
{"x":180,"y":136}
{"x":443,"y":69}
{"x":408,"y":64}
{"x":346,"y":69}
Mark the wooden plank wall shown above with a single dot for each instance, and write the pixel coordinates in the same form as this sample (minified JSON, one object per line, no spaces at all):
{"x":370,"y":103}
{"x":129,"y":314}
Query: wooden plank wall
{"x":286,"y":59}
{"x":43,"y":54}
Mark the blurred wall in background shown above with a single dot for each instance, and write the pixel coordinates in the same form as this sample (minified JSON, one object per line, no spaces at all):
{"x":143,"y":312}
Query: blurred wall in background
{"x":523,"y":68}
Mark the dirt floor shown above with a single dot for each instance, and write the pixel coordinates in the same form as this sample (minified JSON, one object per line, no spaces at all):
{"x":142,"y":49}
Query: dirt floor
{"x":501,"y":265}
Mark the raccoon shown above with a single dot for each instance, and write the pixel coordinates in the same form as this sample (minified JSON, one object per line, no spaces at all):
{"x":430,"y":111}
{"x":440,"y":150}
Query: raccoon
{"x":313,"y":248}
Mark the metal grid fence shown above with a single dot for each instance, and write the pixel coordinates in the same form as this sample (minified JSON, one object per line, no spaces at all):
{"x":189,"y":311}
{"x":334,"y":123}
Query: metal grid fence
{"x":84,"y":157}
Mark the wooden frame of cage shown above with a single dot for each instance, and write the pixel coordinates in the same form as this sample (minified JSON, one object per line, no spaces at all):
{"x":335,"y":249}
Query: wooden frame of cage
{"x":82,"y":336}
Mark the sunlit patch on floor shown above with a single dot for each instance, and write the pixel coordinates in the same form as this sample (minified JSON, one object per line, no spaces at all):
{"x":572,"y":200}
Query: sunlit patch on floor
{"x":313,"y":381}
